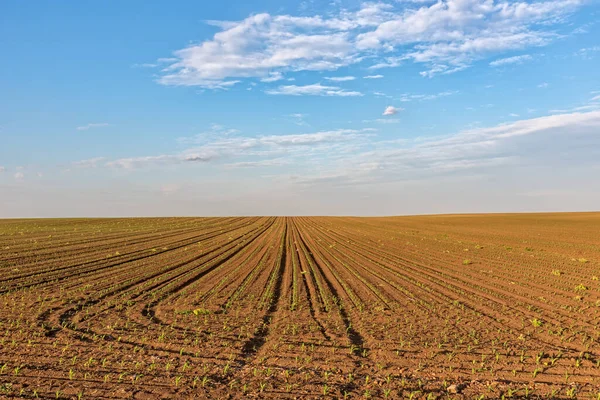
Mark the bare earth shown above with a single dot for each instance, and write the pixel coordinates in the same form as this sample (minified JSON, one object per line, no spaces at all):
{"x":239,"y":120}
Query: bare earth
{"x":431,"y":307}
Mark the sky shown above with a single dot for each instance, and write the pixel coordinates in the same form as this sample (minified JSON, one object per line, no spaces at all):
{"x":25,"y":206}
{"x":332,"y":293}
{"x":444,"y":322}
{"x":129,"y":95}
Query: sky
{"x":264,"y":107}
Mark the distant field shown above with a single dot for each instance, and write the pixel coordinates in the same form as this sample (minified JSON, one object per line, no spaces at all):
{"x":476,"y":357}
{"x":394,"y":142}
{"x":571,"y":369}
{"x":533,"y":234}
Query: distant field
{"x":406,"y":307}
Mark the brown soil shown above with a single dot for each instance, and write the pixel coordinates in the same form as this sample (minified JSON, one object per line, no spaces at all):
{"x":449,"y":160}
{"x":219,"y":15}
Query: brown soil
{"x":430,"y":307}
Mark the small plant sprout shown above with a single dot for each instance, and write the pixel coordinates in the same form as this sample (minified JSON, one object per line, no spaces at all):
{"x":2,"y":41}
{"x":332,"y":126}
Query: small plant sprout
{"x":537,"y":322}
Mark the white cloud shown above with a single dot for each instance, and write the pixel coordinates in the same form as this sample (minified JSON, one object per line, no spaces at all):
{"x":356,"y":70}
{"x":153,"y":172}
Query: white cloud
{"x":511,"y":60}
{"x":587,"y":52}
{"x":406,"y":97}
{"x":381,"y":94}
{"x":308,"y":138}
{"x":92,"y":126}
{"x":447,"y":36}
{"x":214,"y":131}
{"x":261,"y":44}
{"x":384,"y":120}
{"x":513,"y":115}
{"x":340,"y":78}
{"x":450,"y":35}
{"x":19,"y":176}
{"x":592,"y":105}
{"x":298,"y":119}
{"x":529,"y":126}
{"x":312,"y":90}
{"x":145,"y":65}
{"x":255,"y":164}
{"x":373,"y":77}
{"x":388,"y":62}
{"x":543,"y":85}
{"x":391,"y":110}
{"x":137,"y":162}
{"x":89,"y":163}
{"x":2,"y":169}
{"x":273,"y":77}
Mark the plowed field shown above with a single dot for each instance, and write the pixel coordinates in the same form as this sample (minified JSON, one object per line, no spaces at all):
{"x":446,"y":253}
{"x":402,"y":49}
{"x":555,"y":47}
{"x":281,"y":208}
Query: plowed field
{"x":465,"y":306}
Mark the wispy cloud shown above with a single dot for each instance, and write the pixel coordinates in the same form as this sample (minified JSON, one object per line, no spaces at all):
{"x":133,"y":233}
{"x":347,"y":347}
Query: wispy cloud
{"x":406,"y":97}
{"x":2,"y":169}
{"x":312,"y":90}
{"x":273,"y":77}
{"x":543,"y":85}
{"x":511,"y":60}
{"x":19,"y":176}
{"x":256,"y":164}
{"x":474,"y":149}
{"x":592,"y":105}
{"x":588,"y":52}
{"x":215,"y":149}
{"x":92,"y":126}
{"x":214,"y":131}
{"x":388,"y":120}
{"x":136,"y":162}
{"x":461,"y":150}
{"x":89,"y":163}
{"x":298,"y":119}
{"x":360,"y":160}
{"x":340,"y":78}
{"x":388,"y":62}
{"x":373,"y":77}
{"x":381,"y":94}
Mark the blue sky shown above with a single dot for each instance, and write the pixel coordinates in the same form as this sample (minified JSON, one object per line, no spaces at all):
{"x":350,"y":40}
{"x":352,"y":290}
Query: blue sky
{"x":311,"y":107}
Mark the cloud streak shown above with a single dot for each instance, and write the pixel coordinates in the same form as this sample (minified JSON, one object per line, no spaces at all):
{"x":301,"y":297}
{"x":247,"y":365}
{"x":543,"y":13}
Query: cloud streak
{"x":236,"y":147}
{"x":92,"y":126}
{"x":512,"y":144}
{"x":406,"y":97}
{"x":373,"y":77}
{"x":340,"y":78}
{"x":313,"y":90}
{"x":511,"y":60}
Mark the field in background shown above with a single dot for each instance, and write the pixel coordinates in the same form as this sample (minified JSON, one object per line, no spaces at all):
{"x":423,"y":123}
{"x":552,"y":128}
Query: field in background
{"x":406,"y":307}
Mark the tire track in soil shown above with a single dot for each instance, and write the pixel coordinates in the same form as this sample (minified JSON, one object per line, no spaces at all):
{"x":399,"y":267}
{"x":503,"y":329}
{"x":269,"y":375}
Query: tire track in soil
{"x":67,"y":316}
{"x":234,"y":251}
{"x":353,"y":335}
{"x":307,"y":288}
{"x":172,"y":246}
{"x":427,"y":274}
{"x":415,"y":269}
{"x":258,"y":340}
{"x":80,"y":249}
